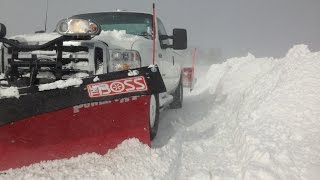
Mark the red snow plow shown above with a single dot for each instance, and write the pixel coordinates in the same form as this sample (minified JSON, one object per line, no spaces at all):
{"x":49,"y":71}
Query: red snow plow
{"x":52,"y":121}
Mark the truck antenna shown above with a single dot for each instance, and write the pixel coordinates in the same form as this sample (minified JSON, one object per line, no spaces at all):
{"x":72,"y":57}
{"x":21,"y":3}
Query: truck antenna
{"x":153,"y":33}
{"x":46,"y":20}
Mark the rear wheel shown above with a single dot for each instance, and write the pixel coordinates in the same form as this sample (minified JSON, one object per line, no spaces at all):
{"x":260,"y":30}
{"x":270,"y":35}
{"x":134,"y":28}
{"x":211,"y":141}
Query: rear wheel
{"x":177,"y":97}
{"x":154,"y":115}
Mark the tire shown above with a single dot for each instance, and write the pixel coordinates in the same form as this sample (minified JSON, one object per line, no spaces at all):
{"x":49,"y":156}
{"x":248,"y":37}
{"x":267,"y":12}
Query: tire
{"x":177,"y":97}
{"x":154,"y":115}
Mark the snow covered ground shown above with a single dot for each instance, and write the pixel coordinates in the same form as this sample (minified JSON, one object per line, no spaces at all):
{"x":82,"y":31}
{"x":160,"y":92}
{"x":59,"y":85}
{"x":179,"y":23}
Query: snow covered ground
{"x":248,"y":118}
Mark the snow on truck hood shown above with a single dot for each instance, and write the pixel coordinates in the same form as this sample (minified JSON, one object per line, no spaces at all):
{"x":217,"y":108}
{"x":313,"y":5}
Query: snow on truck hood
{"x":118,"y":39}
{"x":115,"y":39}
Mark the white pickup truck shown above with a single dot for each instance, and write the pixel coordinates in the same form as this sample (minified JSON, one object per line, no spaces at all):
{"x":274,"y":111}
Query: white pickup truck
{"x":118,"y":41}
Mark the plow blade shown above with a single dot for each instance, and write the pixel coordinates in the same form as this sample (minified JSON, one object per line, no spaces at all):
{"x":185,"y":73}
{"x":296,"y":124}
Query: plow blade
{"x":63,"y":123}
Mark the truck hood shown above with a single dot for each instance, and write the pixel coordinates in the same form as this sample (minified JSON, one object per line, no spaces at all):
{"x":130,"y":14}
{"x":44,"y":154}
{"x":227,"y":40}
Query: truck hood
{"x":119,"y":39}
{"x":115,"y":39}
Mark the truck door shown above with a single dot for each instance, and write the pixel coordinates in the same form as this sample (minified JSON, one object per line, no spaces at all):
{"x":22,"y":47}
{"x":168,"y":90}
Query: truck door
{"x":170,"y":70}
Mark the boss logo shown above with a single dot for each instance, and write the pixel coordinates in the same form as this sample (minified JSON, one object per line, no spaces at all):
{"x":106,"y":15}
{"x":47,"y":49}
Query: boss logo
{"x":119,"y":86}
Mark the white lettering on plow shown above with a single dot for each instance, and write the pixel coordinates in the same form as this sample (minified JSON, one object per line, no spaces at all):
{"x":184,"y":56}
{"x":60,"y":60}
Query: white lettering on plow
{"x":77,"y":108}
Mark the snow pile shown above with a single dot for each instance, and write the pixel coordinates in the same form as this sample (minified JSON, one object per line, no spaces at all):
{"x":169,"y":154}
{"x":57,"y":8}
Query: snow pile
{"x":264,"y":120}
{"x":131,"y":160}
{"x":6,"y":92}
{"x":61,"y":84}
{"x":96,"y":79}
{"x":252,"y":118}
{"x":9,"y":92}
{"x":118,"y":39}
{"x":133,"y":73}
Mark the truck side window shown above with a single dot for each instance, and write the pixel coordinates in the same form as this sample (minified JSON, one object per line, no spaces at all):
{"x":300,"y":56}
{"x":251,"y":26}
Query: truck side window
{"x":162,"y":31}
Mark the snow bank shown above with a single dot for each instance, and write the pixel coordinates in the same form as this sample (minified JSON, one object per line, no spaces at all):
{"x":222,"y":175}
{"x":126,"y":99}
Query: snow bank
{"x":264,"y":122}
{"x":252,"y":118}
{"x":131,"y":160}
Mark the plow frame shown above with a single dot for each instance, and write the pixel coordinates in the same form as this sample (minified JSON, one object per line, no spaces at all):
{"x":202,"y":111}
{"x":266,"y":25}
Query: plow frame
{"x":63,"y":123}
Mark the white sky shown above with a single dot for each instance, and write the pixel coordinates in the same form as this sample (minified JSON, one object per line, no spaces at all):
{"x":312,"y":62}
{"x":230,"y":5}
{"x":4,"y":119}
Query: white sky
{"x":263,"y":27}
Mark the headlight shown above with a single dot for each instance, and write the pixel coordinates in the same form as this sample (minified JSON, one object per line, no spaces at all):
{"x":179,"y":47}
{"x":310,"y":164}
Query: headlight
{"x":124,"y":59}
{"x":78,"y":27}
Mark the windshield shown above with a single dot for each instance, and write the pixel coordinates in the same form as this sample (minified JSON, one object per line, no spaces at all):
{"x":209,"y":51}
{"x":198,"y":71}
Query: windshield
{"x":133,"y":23}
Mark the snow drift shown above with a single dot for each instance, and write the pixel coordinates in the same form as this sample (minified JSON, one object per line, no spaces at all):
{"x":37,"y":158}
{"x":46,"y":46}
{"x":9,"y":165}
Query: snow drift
{"x":248,"y":118}
{"x":264,"y":120}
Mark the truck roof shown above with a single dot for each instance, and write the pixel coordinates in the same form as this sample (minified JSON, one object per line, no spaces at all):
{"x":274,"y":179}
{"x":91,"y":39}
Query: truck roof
{"x":115,"y":11}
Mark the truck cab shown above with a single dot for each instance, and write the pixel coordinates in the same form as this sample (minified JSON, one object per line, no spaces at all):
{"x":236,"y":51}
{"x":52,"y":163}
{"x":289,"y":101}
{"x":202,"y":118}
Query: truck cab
{"x":140,"y":24}
{"x":100,"y":78}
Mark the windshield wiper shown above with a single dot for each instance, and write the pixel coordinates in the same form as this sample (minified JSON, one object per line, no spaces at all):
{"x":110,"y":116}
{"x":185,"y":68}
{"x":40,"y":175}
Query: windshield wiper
{"x":144,"y":34}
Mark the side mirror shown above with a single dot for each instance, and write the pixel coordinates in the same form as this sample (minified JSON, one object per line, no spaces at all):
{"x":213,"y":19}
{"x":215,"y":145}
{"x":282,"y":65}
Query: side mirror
{"x":179,"y":39}
{"x":3,"y":30}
